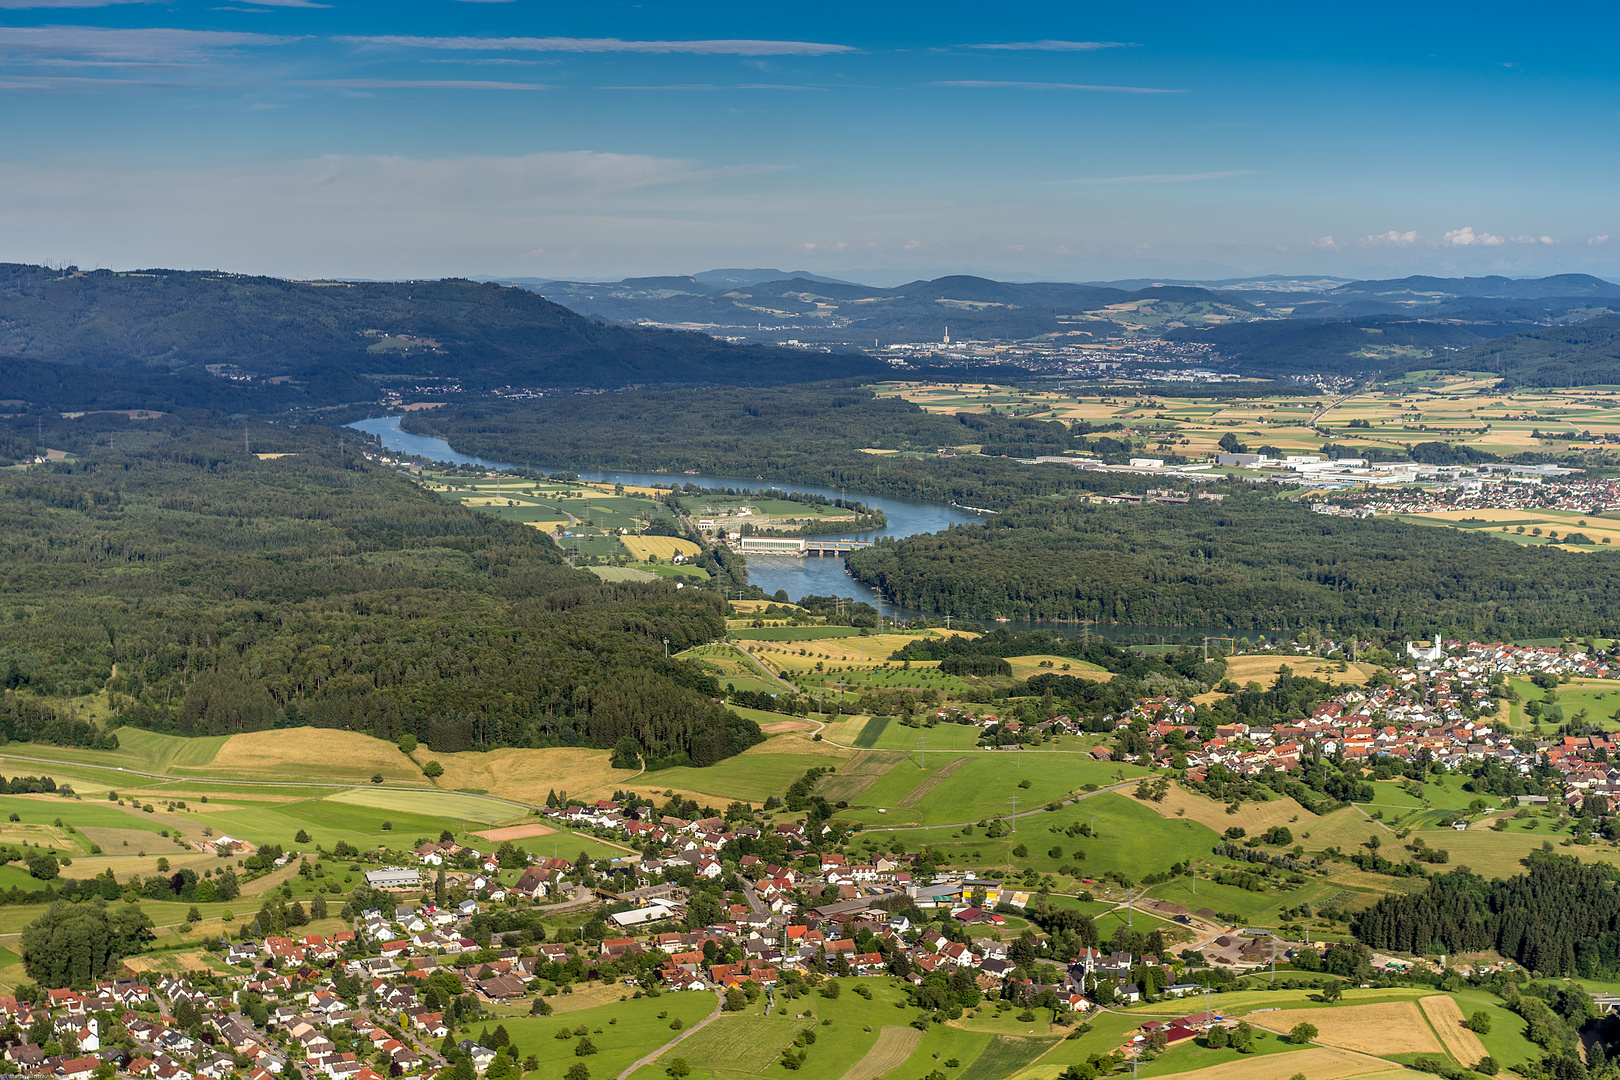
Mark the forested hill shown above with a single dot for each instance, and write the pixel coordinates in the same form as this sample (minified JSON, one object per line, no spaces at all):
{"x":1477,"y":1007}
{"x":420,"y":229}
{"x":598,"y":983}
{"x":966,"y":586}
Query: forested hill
{"x":1586,"y":354}
{"x":1251,"y":563}
{"x":788,"y":435}
{"x":237,"y":594}
{"x":256,"y":328}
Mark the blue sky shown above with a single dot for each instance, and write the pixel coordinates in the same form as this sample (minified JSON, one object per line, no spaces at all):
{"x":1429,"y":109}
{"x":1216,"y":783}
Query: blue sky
{"x":878,"y":141}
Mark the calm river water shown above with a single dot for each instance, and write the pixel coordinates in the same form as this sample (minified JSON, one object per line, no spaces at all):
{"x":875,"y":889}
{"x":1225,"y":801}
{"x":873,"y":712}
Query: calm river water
{"x":811,"y":576}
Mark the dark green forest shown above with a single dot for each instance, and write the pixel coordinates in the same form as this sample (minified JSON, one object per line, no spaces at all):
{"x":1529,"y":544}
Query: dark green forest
{"x":1560,"y":917}
{"x":1252,"y":562}
{"x":236,"y":594}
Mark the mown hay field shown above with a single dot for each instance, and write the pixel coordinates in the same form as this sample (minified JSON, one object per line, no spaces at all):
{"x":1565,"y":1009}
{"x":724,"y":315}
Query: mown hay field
{"x":292,"y":753}
{"x":1025,"y":666}
{"x":526,"y":775}
{"x":446,"y":804}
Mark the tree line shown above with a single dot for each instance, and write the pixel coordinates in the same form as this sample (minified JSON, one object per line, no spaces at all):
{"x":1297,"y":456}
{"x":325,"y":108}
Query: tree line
{"x":1250,"y":563}
{"x":1559,"y":917}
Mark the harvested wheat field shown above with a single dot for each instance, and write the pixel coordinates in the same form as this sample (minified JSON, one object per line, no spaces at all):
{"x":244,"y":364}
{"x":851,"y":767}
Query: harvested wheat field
{"x":798,"y":742}
{"x":516,"y":832}
{"x":777,"y":727}
{"x":526,"y":775}
{"x":1255,"y":817}
{"x":893,"y":1047}
{"x":296,"y":753}
{"x":1447,"y":1017}
{"x":1393,"y":1027}
{"x":1263,"y":669}
{"x":1317,"y":1063}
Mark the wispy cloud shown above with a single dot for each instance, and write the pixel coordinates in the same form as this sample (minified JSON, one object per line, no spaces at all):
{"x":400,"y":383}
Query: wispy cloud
{"x":715,"y":86}
{"x":990,"y":84}
{"x":420,"y":84}
{"x":1325,"y":243}
{"x":25,"y":5}
{"x":288,"y":3}
{"x":1159,"y":178}
{"x":727,"y":47}
{"x":155,"y":45}
{"x":1054,"y":46}
{"x":1534,"y":240}
{"x":1467,"y":237}
{"x":1598,"y":241}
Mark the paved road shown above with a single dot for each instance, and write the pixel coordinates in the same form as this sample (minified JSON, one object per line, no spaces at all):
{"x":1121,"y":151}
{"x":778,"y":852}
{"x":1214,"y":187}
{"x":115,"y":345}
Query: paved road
{"x":719,"y":1001}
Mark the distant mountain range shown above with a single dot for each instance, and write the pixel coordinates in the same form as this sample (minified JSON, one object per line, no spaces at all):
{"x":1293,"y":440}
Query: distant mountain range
{"x":826,"y":311}
{"x":1270,"y":326}
{"x":174,"y":338}
{"x":319,"y":341}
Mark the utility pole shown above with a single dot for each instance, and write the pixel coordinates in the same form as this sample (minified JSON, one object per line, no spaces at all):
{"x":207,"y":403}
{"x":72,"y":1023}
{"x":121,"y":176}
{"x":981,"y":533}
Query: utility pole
{"x":923,"y":751}
{"x":666,"y":648}
{"x":1014,"y":819}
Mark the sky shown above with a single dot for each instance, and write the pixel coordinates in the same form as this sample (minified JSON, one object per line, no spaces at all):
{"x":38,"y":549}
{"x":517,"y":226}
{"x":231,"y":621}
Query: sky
{"x":879,"y":142}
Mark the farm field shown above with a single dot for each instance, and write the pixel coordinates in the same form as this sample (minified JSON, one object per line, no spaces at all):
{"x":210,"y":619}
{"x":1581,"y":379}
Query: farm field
{"x":981,"y":787}
{"x":629,"y":1030}
{"x":1396,"y":1027}
{"x":1462,"y":409}
{"x":1131,"y":839}
{"x":647,"y":548}
{"x":747,"y":1044}
{"x":309,"y":753}
{"x":526,"y":775}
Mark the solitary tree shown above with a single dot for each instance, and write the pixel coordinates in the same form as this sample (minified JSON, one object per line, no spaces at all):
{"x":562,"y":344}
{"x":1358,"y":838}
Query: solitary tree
{"x":1302,"y":1033}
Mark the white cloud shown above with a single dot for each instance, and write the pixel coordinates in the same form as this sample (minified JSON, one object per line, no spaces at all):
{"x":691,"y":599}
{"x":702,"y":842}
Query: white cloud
{"x":1467,"y":237}
{"x":1055,"y":46}
{"x":726,"y":47}
{"x":1397,"y":239}
{"x":992,"y":84}
{"x":1160,"y":178}
{"x":1598,"y":240}
{"x":1534,"y":240}
{"x":1325,"y":243}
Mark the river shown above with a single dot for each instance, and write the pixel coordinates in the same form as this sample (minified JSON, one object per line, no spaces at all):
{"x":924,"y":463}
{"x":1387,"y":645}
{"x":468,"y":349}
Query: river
{"x":809,"y":576}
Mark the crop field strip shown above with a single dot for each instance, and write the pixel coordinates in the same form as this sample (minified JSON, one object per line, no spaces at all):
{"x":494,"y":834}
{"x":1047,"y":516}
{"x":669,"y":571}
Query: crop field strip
{"x":1447,"y":1018}
{"x":894,"y":1045}
{"x":861,"y":772}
